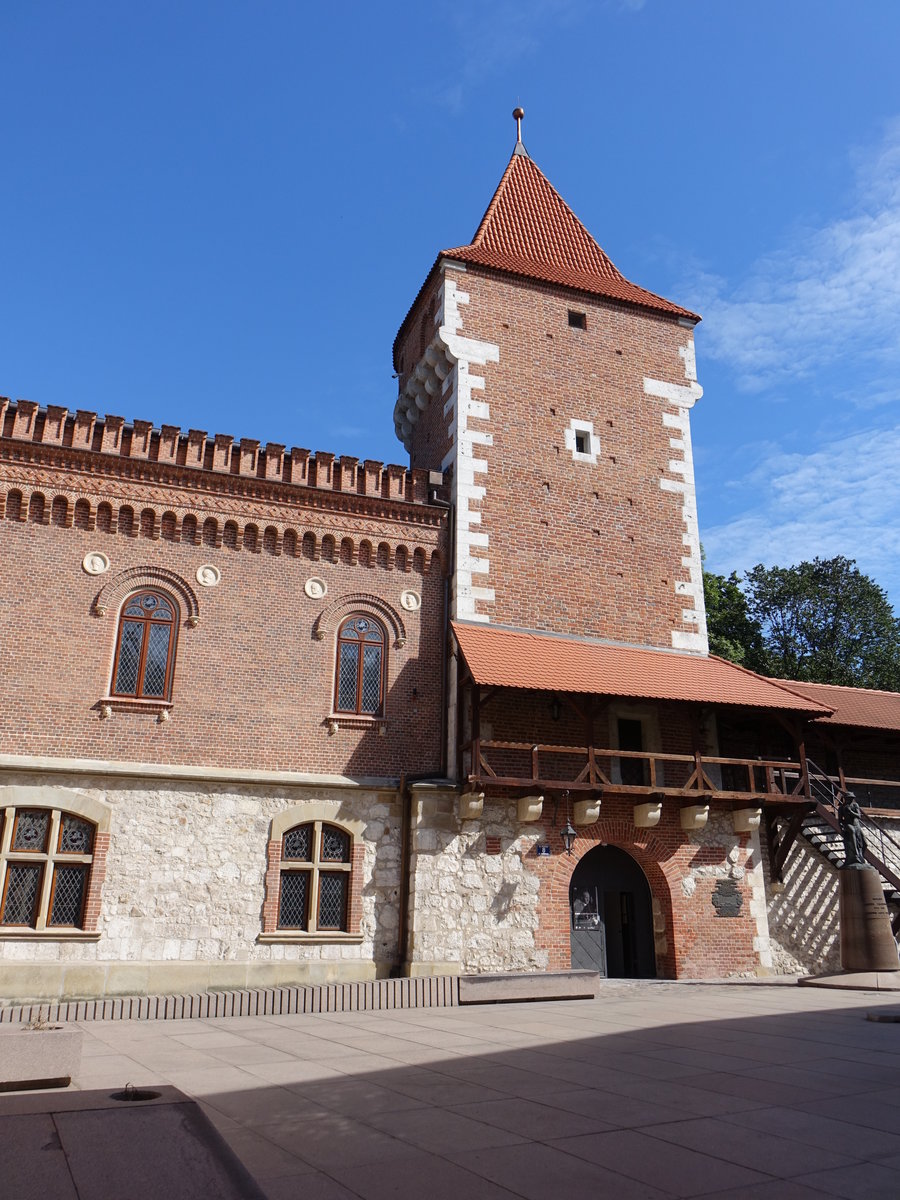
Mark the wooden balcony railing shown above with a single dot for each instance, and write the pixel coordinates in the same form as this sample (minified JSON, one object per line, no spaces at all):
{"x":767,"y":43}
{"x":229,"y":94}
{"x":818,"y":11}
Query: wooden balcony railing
{"x":639,"y":773}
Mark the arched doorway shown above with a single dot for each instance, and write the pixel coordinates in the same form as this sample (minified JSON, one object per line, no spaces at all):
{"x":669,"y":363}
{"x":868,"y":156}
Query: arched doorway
{"x":611,"y":916}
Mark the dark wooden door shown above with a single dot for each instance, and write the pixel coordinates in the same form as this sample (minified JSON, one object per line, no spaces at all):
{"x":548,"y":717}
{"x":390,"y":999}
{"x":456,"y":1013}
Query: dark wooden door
{"x":611,"y":916}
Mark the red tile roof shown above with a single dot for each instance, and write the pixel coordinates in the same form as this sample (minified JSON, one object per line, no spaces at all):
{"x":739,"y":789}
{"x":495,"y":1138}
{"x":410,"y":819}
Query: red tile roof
{"x":865,"y":708}
{"x":503,"y":658}
{"x":529,"y":230}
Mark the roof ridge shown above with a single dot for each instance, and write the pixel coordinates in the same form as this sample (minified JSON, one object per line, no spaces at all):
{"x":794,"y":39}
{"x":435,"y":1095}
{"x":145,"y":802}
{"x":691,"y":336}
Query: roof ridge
{"x":844,"y":687}
{"x":495,"y":200}
{"x":779,"y":683}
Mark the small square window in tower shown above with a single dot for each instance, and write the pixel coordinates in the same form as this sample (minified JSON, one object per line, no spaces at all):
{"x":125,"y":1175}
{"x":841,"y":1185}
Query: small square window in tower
{"x":577,"y":320}
{"x":581,"y":441}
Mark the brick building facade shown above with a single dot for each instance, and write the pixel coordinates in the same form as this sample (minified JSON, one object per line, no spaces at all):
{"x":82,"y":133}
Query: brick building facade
{"x":272,"y":716}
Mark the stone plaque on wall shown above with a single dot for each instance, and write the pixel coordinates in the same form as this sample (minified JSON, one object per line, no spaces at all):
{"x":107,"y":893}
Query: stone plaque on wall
{"x":727,"y":898}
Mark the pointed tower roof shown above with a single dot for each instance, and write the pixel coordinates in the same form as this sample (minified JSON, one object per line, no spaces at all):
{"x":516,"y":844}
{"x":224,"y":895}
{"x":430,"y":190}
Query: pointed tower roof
{"x":528,"y":229}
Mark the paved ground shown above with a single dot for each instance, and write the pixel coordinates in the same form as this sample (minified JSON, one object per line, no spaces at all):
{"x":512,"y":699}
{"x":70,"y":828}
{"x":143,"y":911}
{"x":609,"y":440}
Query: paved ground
{"x":653,"y":1090}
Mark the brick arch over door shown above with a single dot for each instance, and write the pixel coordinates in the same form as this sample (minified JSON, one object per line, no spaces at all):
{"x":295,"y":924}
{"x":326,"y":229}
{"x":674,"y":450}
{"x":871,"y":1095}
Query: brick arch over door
{"x":651,"y":855}
{"x":111,"y":596}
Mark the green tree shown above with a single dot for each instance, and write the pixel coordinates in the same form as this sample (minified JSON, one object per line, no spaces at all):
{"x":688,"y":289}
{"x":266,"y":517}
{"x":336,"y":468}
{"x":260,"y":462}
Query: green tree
{"x":826,"y":622}
{"x":733,"y":634}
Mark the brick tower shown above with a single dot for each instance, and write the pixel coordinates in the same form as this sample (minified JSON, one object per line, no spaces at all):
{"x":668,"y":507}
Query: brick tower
{"x":556,"y":395}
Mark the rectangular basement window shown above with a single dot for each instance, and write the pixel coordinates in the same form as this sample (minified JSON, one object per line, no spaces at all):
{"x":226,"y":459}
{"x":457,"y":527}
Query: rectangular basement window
{"x":577,"y":320}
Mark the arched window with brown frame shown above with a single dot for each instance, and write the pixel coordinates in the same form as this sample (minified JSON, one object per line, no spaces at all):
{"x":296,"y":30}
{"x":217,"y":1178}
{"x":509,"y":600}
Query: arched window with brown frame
{"x":145,"y":647}
{"x":314,"y":882}
{"x":361,"y":667}
{"x":45,"y":867}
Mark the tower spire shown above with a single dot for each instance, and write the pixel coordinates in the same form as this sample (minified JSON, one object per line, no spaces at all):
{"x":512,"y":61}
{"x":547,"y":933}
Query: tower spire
{"x":518,"y":114}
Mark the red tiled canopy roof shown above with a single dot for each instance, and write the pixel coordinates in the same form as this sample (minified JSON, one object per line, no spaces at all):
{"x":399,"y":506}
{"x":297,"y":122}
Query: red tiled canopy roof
{"x":865,"y":708}
{"x":529,"y":230}
{"x":503,"y":658}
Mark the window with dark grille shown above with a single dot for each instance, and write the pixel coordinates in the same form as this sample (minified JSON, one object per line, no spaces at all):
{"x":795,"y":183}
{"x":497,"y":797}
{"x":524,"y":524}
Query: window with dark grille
{"x":314,"y":886}
{"x":359,"y":674}
{"x":45,"y":865}
{"x":145,"y":647}
{"x":577,"y":320}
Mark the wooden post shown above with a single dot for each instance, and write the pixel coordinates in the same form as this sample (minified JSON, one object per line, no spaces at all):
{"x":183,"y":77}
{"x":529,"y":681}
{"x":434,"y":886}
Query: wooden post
{"x":804,"y":769}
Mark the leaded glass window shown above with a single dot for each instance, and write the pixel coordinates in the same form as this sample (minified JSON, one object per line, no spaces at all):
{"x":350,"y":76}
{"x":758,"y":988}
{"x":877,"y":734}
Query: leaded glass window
{"x":45,"y":864}
{"x":145,"y":647}
{"x":314,"y":886}
{"x":359,"y":682}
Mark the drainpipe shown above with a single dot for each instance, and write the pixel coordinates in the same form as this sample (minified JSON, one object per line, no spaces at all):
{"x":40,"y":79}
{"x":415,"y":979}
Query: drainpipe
{"x":405,"y":864}
{"x":406,"y":780}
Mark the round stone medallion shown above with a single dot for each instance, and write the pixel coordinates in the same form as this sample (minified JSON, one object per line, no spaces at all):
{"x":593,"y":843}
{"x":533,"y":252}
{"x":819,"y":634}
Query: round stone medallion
{"x":95,"y":562}
{"x":315,"y":587}
{"x":410,"y":601}
{"x":208,"y":575}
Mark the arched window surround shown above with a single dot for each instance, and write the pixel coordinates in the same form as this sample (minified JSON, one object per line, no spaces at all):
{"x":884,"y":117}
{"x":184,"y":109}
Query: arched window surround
{"x":316,"y":816}
{"x":53,"y":855}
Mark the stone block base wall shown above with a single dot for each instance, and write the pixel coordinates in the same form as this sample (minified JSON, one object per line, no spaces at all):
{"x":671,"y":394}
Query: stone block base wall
{"x":484,"y":900}
{"x":802,"y":910}
{"x":181,"y":907}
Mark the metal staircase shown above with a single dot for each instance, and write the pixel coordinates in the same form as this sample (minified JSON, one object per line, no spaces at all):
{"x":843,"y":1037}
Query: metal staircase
{"x":817,"y":824}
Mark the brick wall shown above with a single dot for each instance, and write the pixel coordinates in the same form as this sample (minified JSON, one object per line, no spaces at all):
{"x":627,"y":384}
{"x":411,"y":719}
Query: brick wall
{"x":254,"y":673}
{"x":584,"y":548}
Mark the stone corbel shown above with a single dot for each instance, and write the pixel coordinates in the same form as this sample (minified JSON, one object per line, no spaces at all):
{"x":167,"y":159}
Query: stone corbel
{"x":746,"y":820}
{"x":647,"y":815}
{"x":586,"y":812}
{"x":471,"y":806}
{"x":694,"y":817}
{"x":530,"y":808}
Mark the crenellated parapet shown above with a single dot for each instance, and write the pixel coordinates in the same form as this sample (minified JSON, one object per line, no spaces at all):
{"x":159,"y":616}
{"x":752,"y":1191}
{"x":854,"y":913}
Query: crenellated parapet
{"x":218,"y":455}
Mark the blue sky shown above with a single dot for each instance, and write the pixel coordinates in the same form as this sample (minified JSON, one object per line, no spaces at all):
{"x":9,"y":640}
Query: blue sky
{"x":215,"y":215}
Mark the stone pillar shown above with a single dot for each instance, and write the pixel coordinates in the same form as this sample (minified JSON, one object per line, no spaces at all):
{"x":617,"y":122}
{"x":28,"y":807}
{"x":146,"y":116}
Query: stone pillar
{"x":867,"y":943}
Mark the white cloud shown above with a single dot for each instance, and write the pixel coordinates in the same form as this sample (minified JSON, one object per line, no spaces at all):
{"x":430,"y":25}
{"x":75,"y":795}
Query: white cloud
{"x":831,"y":294}
{"x":844,"y":498}
{"x":492,"y":37}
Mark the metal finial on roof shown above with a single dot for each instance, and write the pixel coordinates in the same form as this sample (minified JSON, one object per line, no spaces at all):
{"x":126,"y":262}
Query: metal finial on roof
{"x":518,"y":114}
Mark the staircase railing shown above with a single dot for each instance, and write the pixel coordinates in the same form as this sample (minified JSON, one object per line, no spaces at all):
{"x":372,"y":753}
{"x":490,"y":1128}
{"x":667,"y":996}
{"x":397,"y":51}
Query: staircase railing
{"x":882,"y":850}
{"x":827,"y":791}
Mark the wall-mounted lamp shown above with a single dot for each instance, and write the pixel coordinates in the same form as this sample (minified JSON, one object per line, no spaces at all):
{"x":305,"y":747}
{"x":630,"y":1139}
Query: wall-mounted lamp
{"x":568,"y":836}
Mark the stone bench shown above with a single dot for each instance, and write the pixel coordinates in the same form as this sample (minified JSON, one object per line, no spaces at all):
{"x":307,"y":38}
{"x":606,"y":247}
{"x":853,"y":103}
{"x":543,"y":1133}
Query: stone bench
{"x":528,"y":985}
{"x":38,"y":1057}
